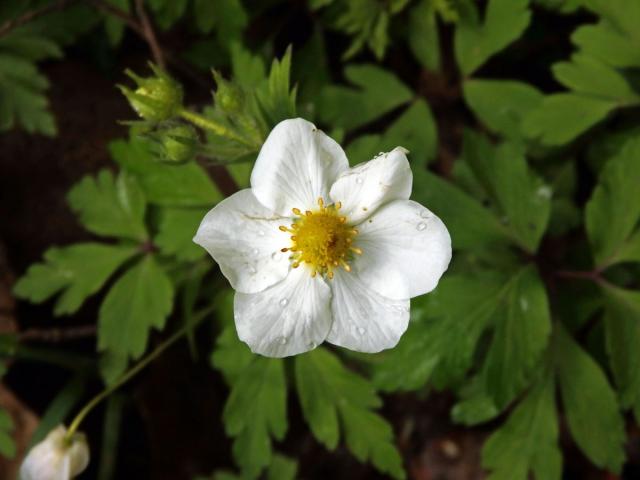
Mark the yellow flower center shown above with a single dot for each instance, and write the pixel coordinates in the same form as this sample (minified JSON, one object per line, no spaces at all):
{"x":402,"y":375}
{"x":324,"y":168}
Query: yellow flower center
{"x":322,"y":239}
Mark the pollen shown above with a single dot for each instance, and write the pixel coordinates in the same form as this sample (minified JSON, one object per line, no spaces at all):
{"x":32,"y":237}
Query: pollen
{"x":322,"y":239}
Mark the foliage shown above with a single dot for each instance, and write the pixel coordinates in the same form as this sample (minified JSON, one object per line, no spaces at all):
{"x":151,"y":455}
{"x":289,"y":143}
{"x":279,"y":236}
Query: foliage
{"x":536,"y":323}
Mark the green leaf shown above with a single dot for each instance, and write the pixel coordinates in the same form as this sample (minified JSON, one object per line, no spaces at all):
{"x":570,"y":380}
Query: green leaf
{"x":562,"y":117}
{"x":7,"y":445}
{"x":108,"y":207}
{"x":612,"y":213}
{"x":277,"y":99}
{"x":522,"y":328}
{"x":423,"y":36}
{"x":141,"y":299}
{"x":608,"y":44}
{"x":228,"y":17}
{"x":590,"y":404}
{"x":472,"y":226}
{"x":167,"y":12}
{"x":256,"y":412}
{"x":282,"y":468}
{"x":185,"y":185}
{"x":502,"y":104}
{"x":328,"y":392}
{"x":589,"y":76}
{"x":77,"y":271}
{"x":443,"y":333}
{"x":379,"y":92}
{"x":528,"y":440}
{"x":176,"y":231}
{"x":248,"y":69}
{"x":113,"y":25}
{"x":622,"y":335}
{"x":475,"y":41}
{"x":231,"y":356}
{"x":522,"y":198}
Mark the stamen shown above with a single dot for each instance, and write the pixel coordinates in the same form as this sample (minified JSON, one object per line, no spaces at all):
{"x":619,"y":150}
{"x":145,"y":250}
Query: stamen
{"x":338,"y":205}
{"x":283,"y":250}
{"x":296,"y":211}
{"x":356,"y":250}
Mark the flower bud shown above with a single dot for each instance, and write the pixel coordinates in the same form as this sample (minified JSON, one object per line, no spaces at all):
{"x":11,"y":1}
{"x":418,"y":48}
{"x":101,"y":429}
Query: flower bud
{"x":56,"y":457}
{"x":228,"y":97}
{"x":156,"y":98}
{"x":179,"y":143}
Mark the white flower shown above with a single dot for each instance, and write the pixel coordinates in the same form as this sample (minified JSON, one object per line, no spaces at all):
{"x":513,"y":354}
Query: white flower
{"x":55,"y":458}
{"x":319,"y":251}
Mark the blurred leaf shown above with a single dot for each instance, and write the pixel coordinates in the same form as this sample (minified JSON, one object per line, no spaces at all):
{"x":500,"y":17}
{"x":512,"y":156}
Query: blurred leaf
{"x":379,"y":92}
{"x":185,"y":185}
{"x":521,"y":334}
{"x":78,"y":271}
{"x":282,"y":468}
{"x":277,"y":99}
{"x":113,"y":25}
{"x":476,"y":41}
{"x":528,"y":440}
{"x":561,"y":117}
{"x":176,"y":230}
{"x":520,"y":195}
{"x":256,"y":412}
{"x":7,"y":444}
{"x":167,"y":12}
{"x":227,"y":17}
{"x":108,"y":207}
{"x":590,"y":404}
{"x":608,"y":44}
{"x":502,"y":104}
{"x":612,"y":213}
{"x":140,"y":299}
{"x":622,"y":335}
{"x":422,"y":33}
{"x":111,"y":436}
{"x":328,"y":391}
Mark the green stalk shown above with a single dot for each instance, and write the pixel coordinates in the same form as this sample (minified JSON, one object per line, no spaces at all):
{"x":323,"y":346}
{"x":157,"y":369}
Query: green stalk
{"x":134,"y":370}
{"x":210,"y":125}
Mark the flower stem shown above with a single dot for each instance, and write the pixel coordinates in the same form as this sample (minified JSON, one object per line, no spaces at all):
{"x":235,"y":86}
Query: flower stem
{"x":134,"y":370}
{"x":210,"y":125}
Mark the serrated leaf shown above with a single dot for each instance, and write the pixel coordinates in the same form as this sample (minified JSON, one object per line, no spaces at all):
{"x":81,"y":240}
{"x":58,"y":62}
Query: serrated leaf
{"x":176,"y":230}
{"x":277,"y":99}
{"x":608,"y":44}
{"x":612,"y":213}
{"x":185,"y":185}
{"x":442,"y":336}
{"x":140,"y":300}
{"x":472,"y":226}
{"x":255,"y":413}
{"x":522,"y":198}
{"x":622,"y":336}
{"x":588,"y":76}
{"x":522,"y":328}
{"x":562,"y":117}
{"x":528,"y":440}
{"x":110,"y":207}
{"x":590,"y":404}
{"x":328,"y":392}
{"x":502,"y":104}
{"x":77,"y":271}
{"x":476,"y":41}
{"x":379,"y":92}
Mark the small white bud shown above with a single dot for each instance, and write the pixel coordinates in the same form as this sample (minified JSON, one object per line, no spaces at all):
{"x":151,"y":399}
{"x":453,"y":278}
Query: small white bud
{"x":55,"y":458}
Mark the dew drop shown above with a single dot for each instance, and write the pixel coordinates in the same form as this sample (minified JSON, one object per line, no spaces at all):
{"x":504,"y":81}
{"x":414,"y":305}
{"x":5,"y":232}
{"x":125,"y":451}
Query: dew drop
{"x":425,"y":214}
{"x":361,"y":330}
{"x":359,"y":181}
{"x":283,"y":340}
{"x":254,"y":251}
{"x":284,"y":302}
{"x":544,"y":192}
{"x":421,"y":226}
{"x":312,"y":345}
{"x":252,"y":270}
{"x":261,"y":233}
{"x":276,"y":256}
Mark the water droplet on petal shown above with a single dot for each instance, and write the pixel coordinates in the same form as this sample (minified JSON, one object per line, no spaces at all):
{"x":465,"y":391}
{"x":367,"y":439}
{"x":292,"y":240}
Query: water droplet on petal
{"x":421,"y":226}
{"x":276,"y":256}
{"x":252,"y":270}
{"x":363,"y":313}
{"x":254,"y":251}
{"x":312,"y":345}
{"x":283,"y":340}
{"x":261,"y":233}
{"x":359,"y":181}
{"x":284,"y":302}
{"x":425,"y":214}
{"x":361,"y":330}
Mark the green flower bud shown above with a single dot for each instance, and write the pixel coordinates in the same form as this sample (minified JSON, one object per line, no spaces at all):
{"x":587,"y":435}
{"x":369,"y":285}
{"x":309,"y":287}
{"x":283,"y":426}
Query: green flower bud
{"x":228,"y":96}
{"x":156,"y":98}
{"x":179,"y":144}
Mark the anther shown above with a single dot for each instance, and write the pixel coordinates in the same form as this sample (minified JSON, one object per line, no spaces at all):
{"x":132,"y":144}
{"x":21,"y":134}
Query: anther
{"x":296,"y":211}
{"x":295,"y":264}
{"x":338,"y":205}
{"x":356,"y":250}
{"x":283,"y":250}
{"x":282,"y":228}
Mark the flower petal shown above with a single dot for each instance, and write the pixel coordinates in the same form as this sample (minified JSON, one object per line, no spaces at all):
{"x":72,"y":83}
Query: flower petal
{"x":406,"y":249}
{"x":365,"y":187}
{"x":291,"y":317}
{"x":243,"y":237}
{"x":364,"y":320}
{"x":297,"y":164}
